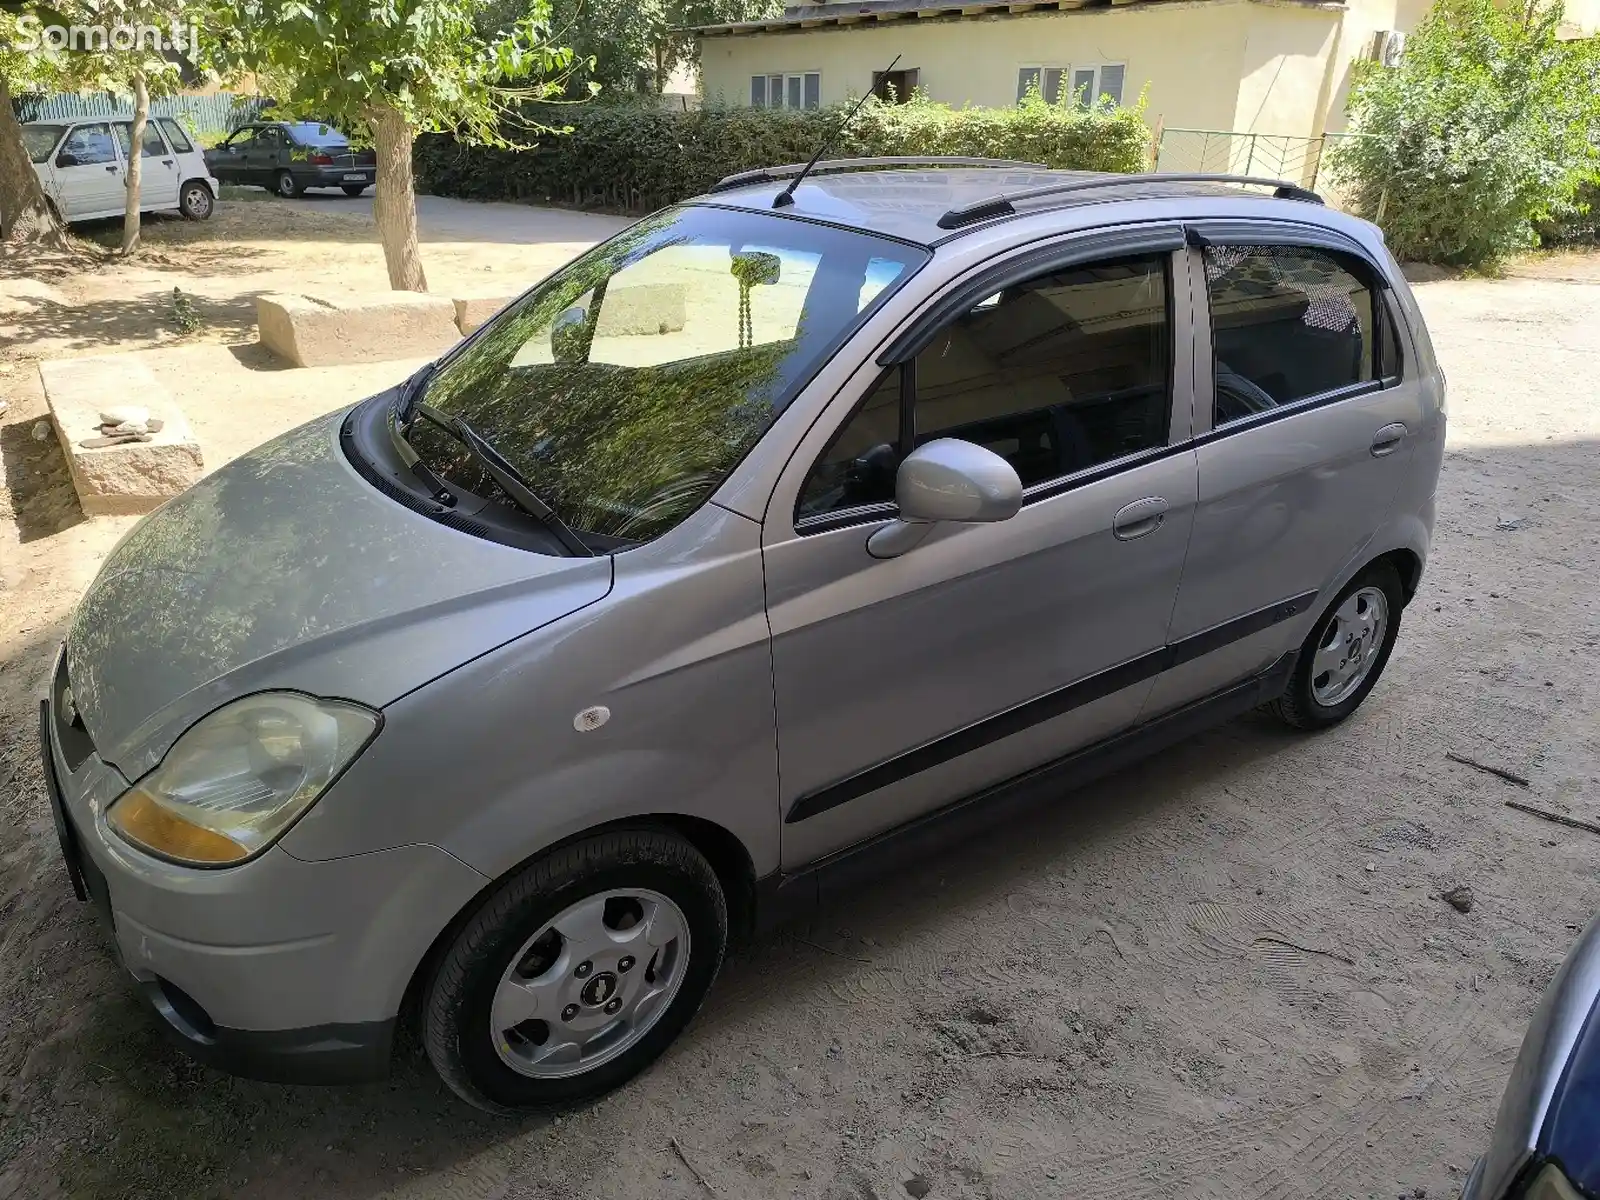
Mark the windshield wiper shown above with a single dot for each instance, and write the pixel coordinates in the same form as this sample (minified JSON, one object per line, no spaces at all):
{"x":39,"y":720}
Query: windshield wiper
{"x":411,"y":392}
{"x":512,"y":482}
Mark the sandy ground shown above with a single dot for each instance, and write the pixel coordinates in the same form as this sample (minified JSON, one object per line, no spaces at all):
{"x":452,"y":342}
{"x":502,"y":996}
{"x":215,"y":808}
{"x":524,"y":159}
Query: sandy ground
{"x":1226,"y":973}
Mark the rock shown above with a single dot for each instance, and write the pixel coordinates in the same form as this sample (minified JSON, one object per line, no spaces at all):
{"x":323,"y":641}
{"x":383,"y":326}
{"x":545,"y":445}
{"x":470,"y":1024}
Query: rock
{"x":1459,"y":898}
{"x":154,"y":424}
{"x":5,"y":407}
{"x":125,"y":414}
{"x":41,"y":431}
{"x":1372,"y":866}
{"x":918,"y":1186}
{"x":125,"y":427}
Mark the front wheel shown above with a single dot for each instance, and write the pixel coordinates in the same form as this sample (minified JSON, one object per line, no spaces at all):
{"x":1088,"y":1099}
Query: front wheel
{"x":196,"y":202}
{"x":1341,"y":660}
{"x":286,"y":185}
{"x":354,"y":189}
{"x":576,"y":972}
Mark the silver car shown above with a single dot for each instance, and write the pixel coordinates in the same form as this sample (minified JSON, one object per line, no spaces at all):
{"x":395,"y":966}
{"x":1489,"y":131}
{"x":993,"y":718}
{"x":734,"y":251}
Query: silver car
{"x":790,"y":529}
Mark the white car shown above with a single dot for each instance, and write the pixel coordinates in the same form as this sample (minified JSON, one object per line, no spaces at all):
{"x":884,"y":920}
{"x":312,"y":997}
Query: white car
{"x":83,"y":166}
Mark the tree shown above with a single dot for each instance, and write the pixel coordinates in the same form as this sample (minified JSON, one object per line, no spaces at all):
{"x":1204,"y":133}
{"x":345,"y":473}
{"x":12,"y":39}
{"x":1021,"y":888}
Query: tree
{"x":620,"y":43}
{"x":386,"y":70}
{"x":1488,"y":125}
{"x":25,"y":214}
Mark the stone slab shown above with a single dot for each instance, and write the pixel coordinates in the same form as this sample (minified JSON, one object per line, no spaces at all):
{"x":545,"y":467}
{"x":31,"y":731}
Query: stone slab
{"x":473,"y":311}
{"x":133,"y":477}
{"x":314,"y":331}
{"x":642,"y":308}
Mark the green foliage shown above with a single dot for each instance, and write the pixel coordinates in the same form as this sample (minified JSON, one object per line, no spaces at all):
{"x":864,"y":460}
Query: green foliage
{"x":1487,"y":127}
{"x":620,"y":43}
{"x":344,"y":60}
{"x":186,"y":318}
{"x":637,"y":157}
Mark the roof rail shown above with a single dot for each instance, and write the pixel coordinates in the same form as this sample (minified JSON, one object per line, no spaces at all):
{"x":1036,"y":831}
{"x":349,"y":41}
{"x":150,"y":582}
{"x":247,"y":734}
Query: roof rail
{"x":1004,"y":205}
{"x":837,"y":166}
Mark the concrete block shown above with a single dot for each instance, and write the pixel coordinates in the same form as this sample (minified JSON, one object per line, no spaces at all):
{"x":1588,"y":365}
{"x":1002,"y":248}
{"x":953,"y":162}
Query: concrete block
{"x":473,"y":311}
{"x":642,"y":308}
{"x":131,"y":477}
{"x":311,"y":331}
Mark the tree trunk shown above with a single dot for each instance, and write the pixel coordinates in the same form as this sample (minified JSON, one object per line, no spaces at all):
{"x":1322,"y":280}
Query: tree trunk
{"x":24,"y":214}
{"x":141,"y":115}
{"x":394,"y":204}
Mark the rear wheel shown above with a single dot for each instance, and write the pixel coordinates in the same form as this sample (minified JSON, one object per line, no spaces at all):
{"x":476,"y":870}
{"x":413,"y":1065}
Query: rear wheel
{"x":286,"y":185}
{"x":195,"y":201}
{"x":576,"y":972}
{"x":1342,"y":659}
{"x":354,"y":189}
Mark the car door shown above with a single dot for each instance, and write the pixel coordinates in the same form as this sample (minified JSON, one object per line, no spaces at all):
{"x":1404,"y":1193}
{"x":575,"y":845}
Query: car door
{"x":158,"y":166}
{"x":88,"y":173}
{"x":226,"y":160}
{"x":1305,"y":427}
{"x":266,"y":155}
{"x":903,"y":685}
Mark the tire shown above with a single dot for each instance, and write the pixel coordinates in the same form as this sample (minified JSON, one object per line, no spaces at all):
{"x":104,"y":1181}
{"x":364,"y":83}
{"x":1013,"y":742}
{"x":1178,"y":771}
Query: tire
{"x":286,"y":185}
{"x":508,"y":942}
{"x":195,"y":201}
{"x":1314,"y":699}
{"x":354,"y":189}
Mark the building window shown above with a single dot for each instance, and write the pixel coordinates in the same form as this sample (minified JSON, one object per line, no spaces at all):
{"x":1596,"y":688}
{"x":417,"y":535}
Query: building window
{"x":800,"y":90}
{"x":895,"y":87}
{"x":1087,"y":83}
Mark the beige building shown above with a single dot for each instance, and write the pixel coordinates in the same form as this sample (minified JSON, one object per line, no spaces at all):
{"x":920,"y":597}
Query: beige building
{"x":1247,"y":66}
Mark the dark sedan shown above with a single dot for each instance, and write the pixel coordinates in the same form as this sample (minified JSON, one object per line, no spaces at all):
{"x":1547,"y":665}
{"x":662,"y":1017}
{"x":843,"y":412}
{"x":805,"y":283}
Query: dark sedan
{"x":1546,"y":1143}
{"x":289,"y":157}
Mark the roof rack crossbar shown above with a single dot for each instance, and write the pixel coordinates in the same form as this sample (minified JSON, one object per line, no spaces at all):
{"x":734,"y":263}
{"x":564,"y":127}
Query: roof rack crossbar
{"x":838,"y":165}
{"x":1004,"y":204}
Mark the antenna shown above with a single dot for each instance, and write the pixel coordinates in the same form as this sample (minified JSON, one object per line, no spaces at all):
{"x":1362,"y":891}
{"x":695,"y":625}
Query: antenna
{"x":786,"y":197}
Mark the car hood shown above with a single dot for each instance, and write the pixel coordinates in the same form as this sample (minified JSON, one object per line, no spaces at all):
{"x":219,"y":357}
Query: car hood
{"x":285,"y":569}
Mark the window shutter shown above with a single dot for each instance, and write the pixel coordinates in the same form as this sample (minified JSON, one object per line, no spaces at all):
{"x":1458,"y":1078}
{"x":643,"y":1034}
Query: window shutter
{"x":813,"y":90}
{"x":1111,"y":81}
{"x":1026,"y":78}
{"x":758,"y":91}
{"x":1052,"y":84}
{"x":1083,"y":85}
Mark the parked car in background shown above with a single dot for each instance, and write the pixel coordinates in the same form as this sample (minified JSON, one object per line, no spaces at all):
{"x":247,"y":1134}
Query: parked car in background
{"x":288,"y":157}
{"x":83,"y":168}
{"x":1546,"y":1142}
{"x":742,"y":556}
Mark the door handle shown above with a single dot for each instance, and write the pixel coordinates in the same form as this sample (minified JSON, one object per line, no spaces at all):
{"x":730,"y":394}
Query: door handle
{"x":111,"y":166}
{"x":1387,"y":440}
{"x":1139,"y":518}
{"x":166,"y":162}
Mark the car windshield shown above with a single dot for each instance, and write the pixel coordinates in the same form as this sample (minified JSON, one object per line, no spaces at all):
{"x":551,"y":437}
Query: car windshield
{"x":40,"y":140}
{"x":317,"y":135}
{"x":629,"y":384}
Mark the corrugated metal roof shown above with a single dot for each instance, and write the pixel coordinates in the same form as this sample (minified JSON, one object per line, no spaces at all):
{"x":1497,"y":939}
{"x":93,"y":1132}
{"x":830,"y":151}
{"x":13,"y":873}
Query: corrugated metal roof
{"x":869,"y":12}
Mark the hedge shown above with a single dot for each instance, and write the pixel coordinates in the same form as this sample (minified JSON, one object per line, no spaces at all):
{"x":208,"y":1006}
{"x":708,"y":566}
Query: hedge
{"x":637,"y":158}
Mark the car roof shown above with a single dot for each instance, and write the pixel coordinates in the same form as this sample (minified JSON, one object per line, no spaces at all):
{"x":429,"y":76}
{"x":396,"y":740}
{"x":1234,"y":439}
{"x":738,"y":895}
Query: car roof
{"x":908,"y":203}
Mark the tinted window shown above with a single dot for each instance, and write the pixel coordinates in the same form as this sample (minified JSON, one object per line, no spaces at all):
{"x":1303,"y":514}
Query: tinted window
{"x":40,"y":140}
{"x":151,"y":142}
{"x":1056,"y":375}
{"x":242,"y":140}
{"x":317,"y":135}
{"x":1287,"y":322}
{"x":180,"y":140}
{"x":627,"y":385}
{"x":90,"y":145}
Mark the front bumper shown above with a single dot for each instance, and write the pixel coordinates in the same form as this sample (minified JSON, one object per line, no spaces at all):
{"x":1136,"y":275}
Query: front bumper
{"x":278,"y":969}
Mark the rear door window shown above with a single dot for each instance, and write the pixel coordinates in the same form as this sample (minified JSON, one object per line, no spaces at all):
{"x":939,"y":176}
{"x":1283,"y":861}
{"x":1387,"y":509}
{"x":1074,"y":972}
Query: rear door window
{"x":180,"y":140}
{"x":1288,"y":323}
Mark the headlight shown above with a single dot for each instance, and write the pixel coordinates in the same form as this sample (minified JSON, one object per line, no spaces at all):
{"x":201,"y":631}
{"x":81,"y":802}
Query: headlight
{"x":240,"y":776}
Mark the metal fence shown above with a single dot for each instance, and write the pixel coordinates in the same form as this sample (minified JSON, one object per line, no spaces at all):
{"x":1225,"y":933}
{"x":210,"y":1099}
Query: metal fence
{"x":219,"y":112}
{"x":1296,"y":159}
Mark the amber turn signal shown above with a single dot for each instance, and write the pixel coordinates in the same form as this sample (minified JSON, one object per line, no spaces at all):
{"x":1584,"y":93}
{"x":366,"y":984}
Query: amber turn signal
{"x":145,"y":822}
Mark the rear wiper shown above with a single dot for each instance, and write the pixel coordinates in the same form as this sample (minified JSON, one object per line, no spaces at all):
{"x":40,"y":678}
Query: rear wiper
{"x":512,"y":482}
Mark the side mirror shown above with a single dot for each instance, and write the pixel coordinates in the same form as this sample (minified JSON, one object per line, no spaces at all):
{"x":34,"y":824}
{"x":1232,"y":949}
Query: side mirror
{"x":567,"y":336}
{"x":947,"y":480}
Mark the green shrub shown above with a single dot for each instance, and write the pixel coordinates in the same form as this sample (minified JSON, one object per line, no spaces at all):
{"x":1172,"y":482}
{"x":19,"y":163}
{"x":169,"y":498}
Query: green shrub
{"x":1486,"y":128}
{"x":636,"y":157}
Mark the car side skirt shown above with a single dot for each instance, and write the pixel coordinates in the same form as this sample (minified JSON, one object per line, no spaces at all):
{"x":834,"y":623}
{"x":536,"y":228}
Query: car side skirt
{"x":781,"y":897}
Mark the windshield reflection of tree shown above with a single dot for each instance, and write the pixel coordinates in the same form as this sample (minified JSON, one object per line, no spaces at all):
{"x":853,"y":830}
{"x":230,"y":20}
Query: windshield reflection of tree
{"x":617,"y":450}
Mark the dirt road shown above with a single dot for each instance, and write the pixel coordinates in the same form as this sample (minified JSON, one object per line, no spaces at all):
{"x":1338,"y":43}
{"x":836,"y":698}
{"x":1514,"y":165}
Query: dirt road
{"x":1226,"y":973}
